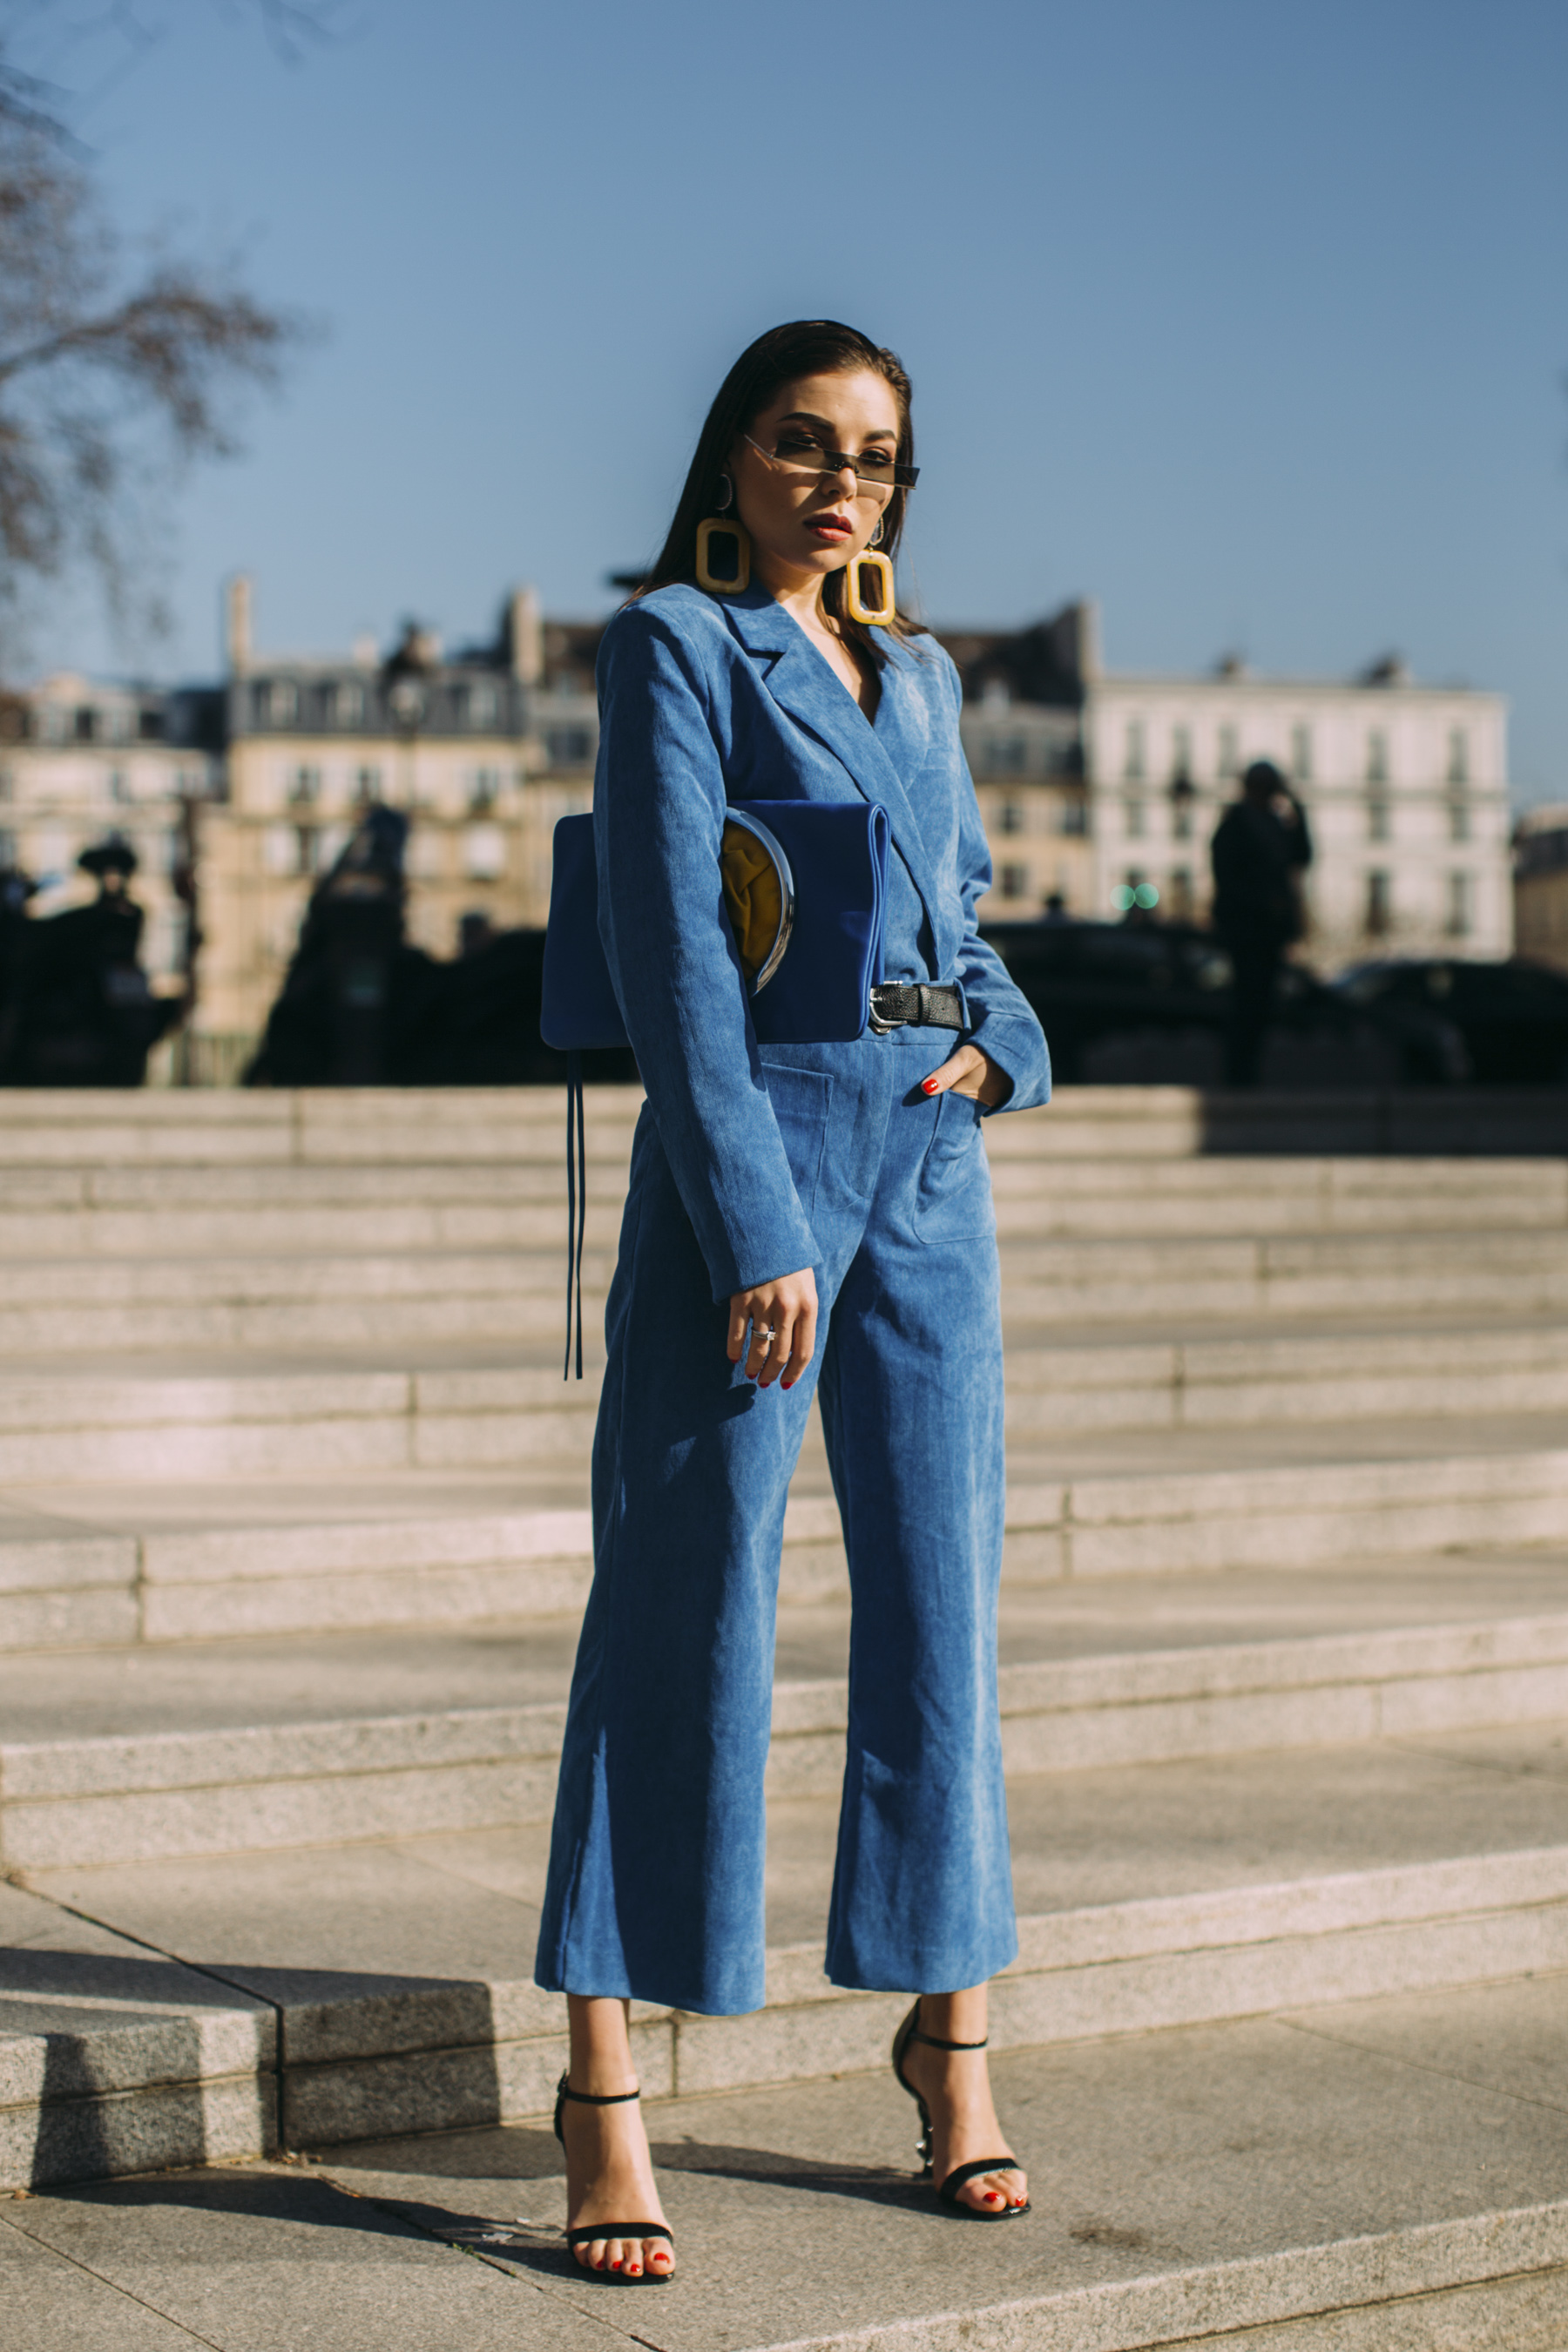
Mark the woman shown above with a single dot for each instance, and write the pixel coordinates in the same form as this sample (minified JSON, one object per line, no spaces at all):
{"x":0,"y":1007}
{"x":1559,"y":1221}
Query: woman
{"x":779,"y":1197}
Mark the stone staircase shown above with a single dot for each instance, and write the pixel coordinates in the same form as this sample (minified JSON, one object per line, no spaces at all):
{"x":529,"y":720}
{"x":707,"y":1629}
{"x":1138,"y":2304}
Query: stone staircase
{"x":293,"y":1531}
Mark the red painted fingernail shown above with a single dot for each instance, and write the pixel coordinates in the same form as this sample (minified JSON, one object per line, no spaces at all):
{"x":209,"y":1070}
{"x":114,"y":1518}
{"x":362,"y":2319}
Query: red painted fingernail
{"x":928,"y":1086}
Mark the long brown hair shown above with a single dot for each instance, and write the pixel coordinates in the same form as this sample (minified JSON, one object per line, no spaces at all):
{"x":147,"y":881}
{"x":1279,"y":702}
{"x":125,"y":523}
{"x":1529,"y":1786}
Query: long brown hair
{"x":803,"y":347}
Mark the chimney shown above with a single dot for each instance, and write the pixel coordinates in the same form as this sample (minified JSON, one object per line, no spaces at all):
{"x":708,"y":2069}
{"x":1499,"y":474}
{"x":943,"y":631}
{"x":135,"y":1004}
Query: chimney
{"x":525,"y":642}
{"x":237,"y":622}
{"x":1073,"y":637}
{"x":1088,"y":654}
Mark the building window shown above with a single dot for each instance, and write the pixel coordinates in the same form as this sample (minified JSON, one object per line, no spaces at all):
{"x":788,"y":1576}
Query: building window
{"x":367,"y":786}
{"x":1132,"y":761}
{"x":7,"y":784}
{"x":1230,"y":760}
{"x":1072,"y":817}
{"x":484,"y":853}
{"x":7,"y":850}
{"x":1180,"y":754}
{"x":150,"y":726}
{"x":1460,"y":921}
{"x":483,"y":790}
{"x":86,"y":725}
{"x":481,"y":705}
{"x":1182,"y":798}
{"x":118,"y":786}
{"x":1458,"y":821}
{"x":279,"y":849}
{"x":348,"y":706}
{"x":1181,"y":895}
{"x":304,"y":788}
{"x":1132,"y":819}
{"x":305,"y":848}
{"x":1015,"y":881}
{"x":1379,"y":820}
{"x":568,"y":747}
{"x":1010,"y":817}
{"x":1005,"y":755}
{"x":1377,"y":757}
{"x":1458,"y":756}
{"x":1301,"y":754}
{"x":1379,"y":904}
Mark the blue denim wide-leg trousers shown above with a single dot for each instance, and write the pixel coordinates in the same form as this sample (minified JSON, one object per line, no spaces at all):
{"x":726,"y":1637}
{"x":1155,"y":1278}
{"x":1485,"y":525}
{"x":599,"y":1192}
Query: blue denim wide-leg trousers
{"x":656,"y":1880}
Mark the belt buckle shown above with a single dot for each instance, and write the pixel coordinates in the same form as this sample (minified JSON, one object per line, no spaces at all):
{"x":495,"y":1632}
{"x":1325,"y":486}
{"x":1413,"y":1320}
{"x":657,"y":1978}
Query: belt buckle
{"x":877,"y":1026}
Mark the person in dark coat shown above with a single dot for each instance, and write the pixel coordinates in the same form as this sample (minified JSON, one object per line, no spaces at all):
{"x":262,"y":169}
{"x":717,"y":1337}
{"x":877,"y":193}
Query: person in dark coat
{"x":1261,"y":847}
{"x":357,"y":994}
{"x":82,"y":1012}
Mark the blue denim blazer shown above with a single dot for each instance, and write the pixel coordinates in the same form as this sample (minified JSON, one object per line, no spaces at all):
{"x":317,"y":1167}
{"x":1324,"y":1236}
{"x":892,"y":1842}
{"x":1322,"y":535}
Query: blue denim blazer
{"x":706,"y":699}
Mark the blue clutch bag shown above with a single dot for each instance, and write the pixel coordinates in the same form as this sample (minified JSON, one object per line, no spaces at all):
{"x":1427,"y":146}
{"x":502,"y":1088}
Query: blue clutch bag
{"x":809,"y":879}
{"x":814,"y":986}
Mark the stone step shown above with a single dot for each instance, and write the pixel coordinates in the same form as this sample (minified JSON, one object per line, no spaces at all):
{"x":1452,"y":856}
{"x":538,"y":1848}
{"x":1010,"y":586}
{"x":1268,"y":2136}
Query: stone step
{"x":147,"y":1562}
{"x":223,"y":1413}
{"x":368,"y":1126}
{"x":412,"y":1296}
{"x":204,"y":1416}
{"x":372,"y":1124}
{"x":1150,"y":1896}
{"x":177,"y":1211}
{"x":256,"y":1743}
{"x":1199,"y":1379}
{"x":116,"y":2058}
{"x":1309,"y":2181}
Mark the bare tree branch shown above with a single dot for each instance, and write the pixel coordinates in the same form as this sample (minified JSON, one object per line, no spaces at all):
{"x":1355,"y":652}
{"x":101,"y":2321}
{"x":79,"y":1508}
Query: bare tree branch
{"x":111,"y":379}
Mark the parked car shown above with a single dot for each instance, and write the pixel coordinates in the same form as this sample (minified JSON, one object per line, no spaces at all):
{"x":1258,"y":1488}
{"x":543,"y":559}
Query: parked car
{"x":1498,"y":1025}
{"x":1123,"y":1003}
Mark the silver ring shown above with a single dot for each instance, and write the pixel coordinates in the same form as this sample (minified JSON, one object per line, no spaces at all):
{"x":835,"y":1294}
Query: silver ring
{"x":764,"y":1331}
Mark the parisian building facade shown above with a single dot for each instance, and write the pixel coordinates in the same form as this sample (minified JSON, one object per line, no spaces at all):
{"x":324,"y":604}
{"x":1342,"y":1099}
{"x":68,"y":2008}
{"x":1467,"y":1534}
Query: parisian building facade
{"x":1541,"y":883}
{"x":1095,"y":787}
{"x":80,"y":761}
{"x":1405,"y":788}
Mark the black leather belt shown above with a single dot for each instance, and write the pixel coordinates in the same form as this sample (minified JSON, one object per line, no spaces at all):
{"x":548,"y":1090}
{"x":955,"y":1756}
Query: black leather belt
{"x":902,"y":1005}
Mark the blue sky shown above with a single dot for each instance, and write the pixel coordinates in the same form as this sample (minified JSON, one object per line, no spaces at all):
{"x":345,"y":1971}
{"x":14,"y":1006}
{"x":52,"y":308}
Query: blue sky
{"x":1247,"y":318}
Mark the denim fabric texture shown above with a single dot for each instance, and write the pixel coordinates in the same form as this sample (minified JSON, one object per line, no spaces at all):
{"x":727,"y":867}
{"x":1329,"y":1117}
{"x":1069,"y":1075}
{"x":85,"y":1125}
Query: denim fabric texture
{"x":747,"y":1164}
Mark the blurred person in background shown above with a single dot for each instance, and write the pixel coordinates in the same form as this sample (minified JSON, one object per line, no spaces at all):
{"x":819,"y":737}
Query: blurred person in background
{"x":1261,"y":848}
{"x":356,"y":998}
{"x":80,"y":1010}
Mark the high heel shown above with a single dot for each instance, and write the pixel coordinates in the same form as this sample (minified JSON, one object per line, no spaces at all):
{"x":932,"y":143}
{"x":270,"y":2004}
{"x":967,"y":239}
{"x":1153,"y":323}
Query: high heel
{"x":947,"y":2192}
{"x":585,"y":2235}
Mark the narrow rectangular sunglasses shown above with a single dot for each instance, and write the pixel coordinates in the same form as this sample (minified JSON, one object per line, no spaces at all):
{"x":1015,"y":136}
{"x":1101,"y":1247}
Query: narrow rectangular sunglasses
{"x":805,"y":452}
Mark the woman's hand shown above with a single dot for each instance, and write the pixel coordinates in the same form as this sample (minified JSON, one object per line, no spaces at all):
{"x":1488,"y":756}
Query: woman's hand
{"x":971,"y":1072}
{"x":787,"y":1307}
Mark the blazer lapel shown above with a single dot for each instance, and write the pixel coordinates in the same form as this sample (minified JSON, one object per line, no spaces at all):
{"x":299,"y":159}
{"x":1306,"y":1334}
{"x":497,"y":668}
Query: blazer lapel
{"x":802,"y":684}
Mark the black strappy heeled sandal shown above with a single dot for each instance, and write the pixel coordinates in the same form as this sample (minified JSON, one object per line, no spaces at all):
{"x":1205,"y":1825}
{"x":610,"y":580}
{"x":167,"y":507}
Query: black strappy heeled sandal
{"x":585,"y":2235}
{"x":947,"y":2192}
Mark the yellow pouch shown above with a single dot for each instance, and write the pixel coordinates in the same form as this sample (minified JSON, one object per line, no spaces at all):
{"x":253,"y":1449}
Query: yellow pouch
{"x":753,"y":896}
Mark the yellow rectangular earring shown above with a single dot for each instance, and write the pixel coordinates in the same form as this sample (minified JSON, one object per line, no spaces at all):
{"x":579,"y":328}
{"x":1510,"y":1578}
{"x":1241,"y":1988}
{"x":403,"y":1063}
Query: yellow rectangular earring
{"x":723,"y":555}
{"x":882,"y":610}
